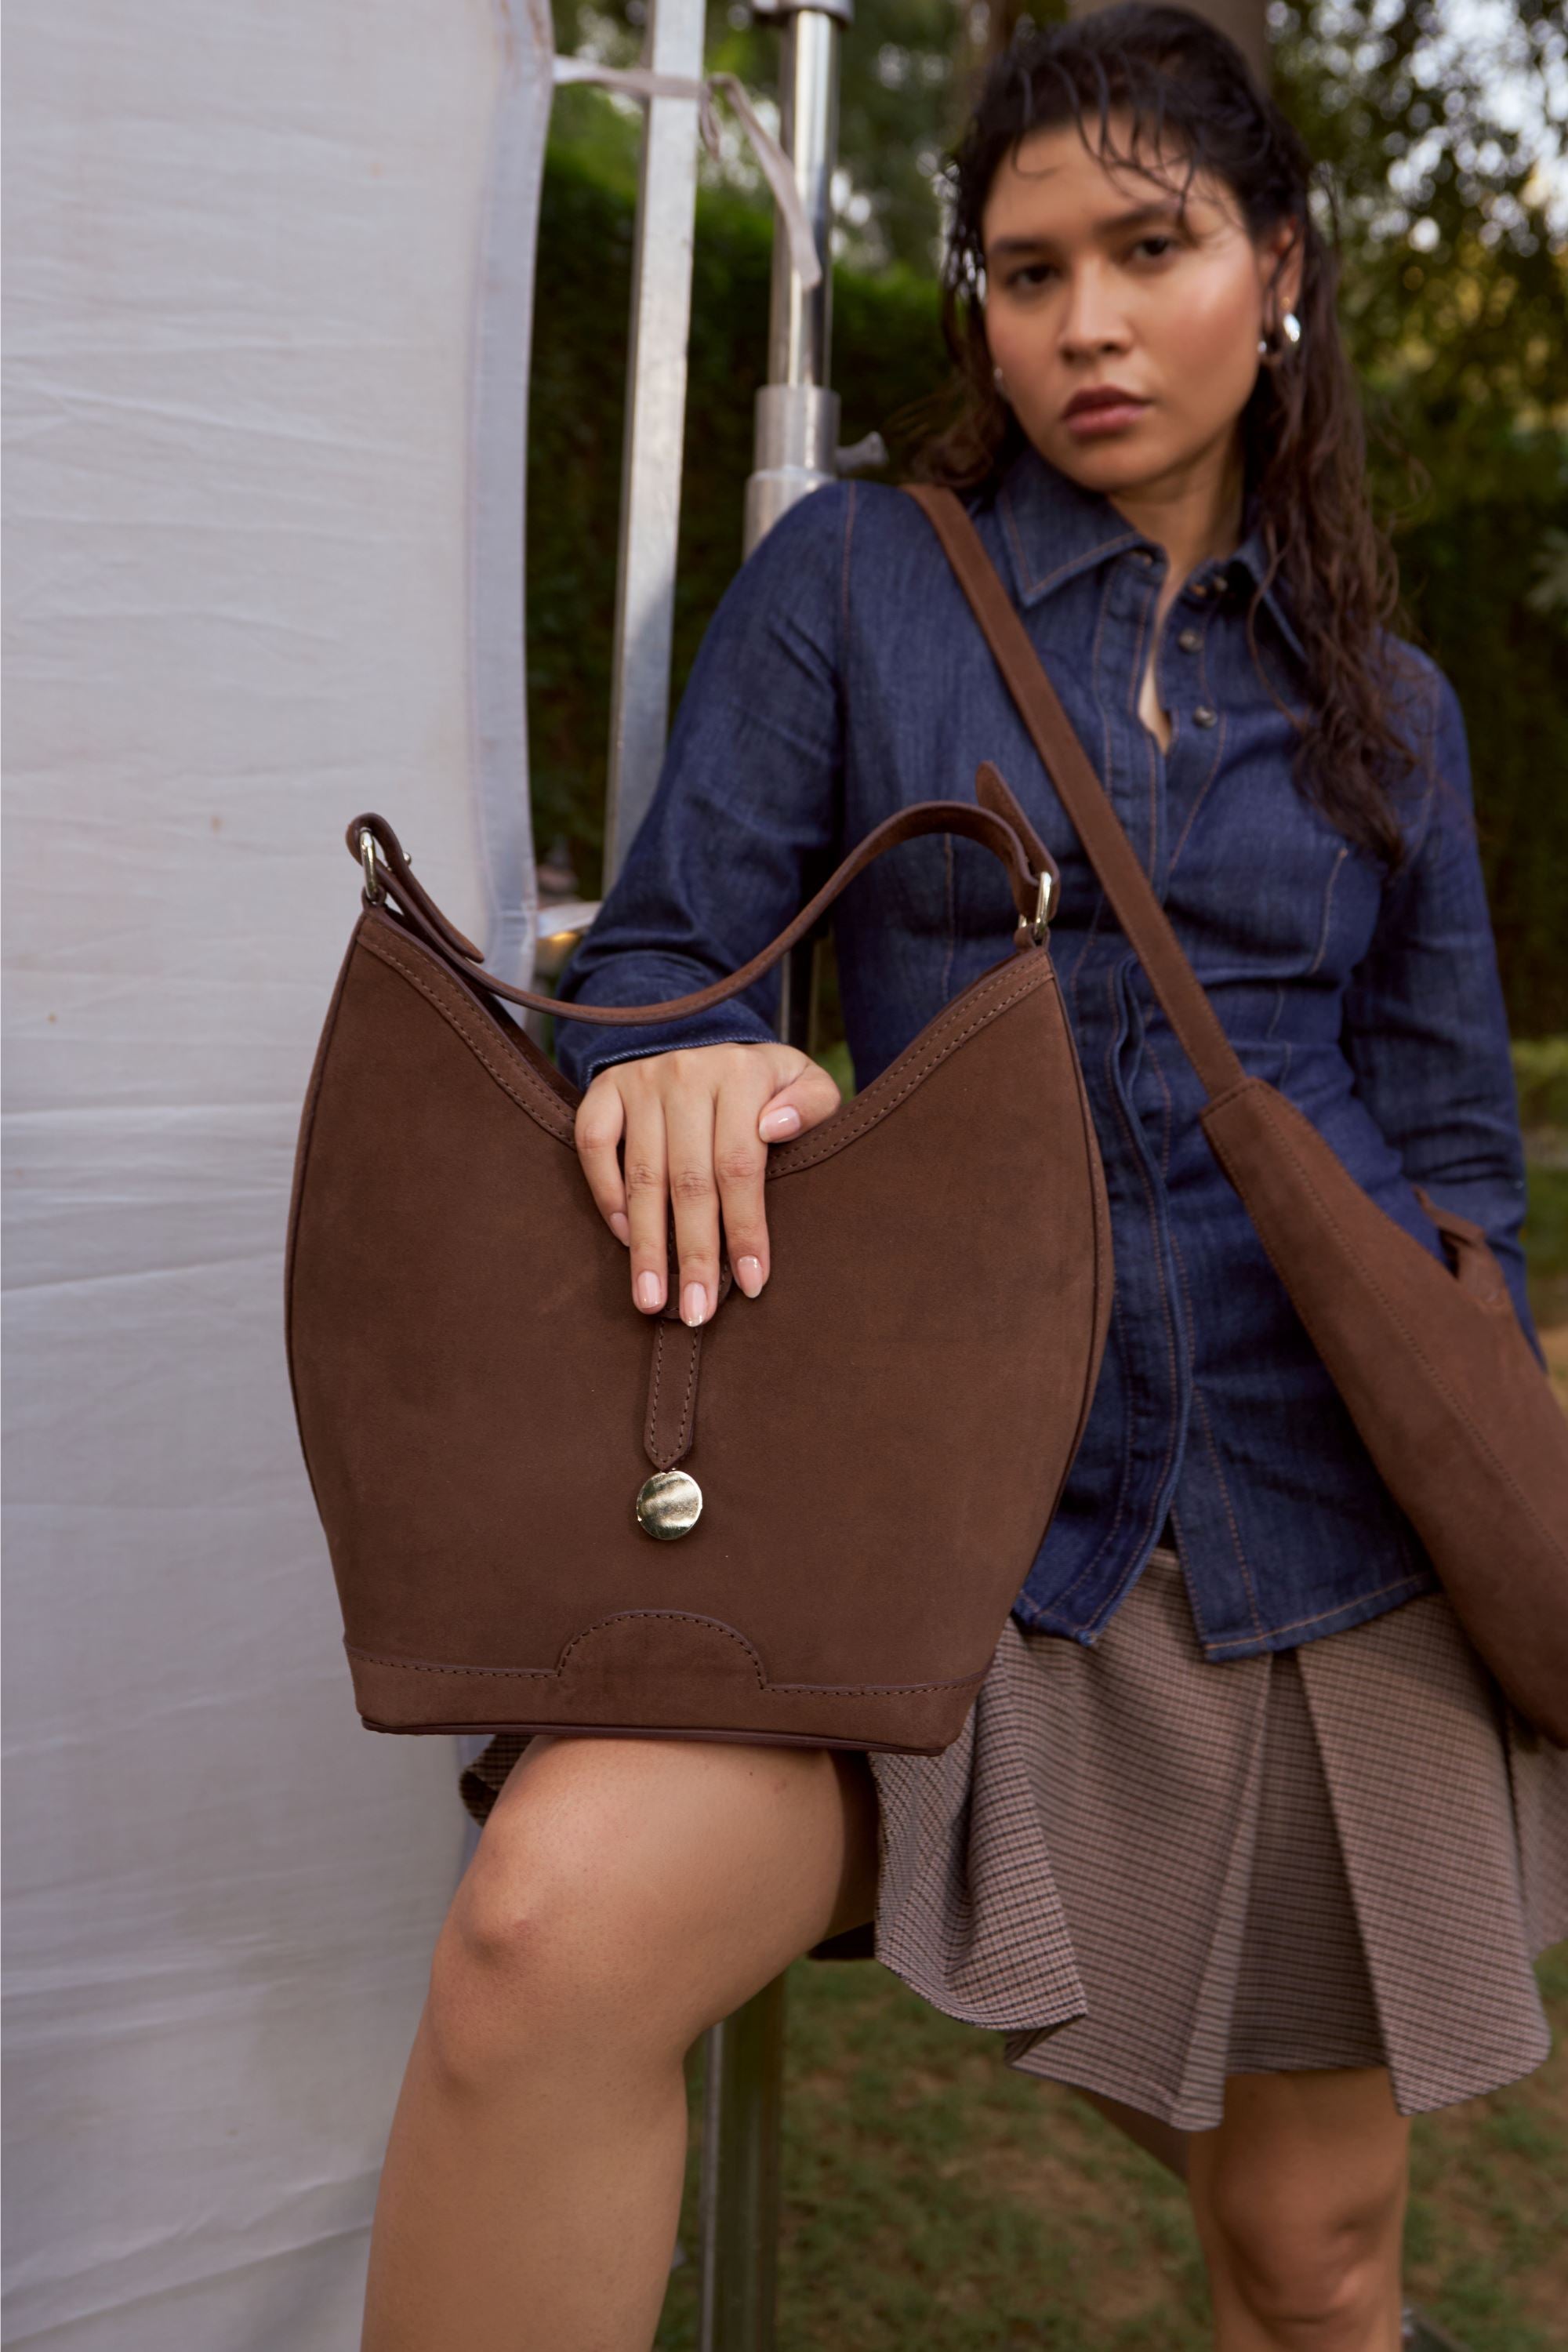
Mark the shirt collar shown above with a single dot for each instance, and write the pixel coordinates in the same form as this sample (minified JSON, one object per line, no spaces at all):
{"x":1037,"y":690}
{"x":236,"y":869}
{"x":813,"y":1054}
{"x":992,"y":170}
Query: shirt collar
{"x":1055,"y":529}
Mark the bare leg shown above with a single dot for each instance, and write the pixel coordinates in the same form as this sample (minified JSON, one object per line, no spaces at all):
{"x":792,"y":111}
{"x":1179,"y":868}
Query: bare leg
{"x":625,"y":1894}
{"x":1167,"y":2142}
{"x":1300,"y":2198}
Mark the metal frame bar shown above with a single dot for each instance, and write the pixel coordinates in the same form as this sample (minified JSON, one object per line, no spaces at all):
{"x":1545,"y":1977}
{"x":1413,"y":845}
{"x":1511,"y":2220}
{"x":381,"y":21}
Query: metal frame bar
{"x":796,"y":433}
{"x":655,"y":426}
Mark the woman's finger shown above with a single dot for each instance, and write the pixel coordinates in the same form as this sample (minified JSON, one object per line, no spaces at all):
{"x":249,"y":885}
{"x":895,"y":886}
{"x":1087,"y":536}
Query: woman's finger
{"x":739,"y":1165}
{"x":647,"y":1196}
{"x":688,"y":1109}
{"x":808,"y":1098}
{"x":597,"y":1130}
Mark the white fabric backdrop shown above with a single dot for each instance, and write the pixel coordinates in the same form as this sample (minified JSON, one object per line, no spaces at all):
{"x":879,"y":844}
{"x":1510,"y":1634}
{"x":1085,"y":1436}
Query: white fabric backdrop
{"x":267,"y":279}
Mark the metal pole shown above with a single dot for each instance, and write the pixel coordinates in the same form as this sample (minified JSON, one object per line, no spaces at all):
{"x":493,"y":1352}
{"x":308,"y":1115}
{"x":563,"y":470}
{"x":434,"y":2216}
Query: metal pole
{"x":739,"y":2205}
{"x":796,"y":411}
{"x":655,"y":421}
{"x":795,"y":450}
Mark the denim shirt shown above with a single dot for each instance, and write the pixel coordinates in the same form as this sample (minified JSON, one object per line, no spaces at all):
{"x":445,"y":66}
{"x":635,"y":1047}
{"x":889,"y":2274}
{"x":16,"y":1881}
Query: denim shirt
{"x":843,"y":676}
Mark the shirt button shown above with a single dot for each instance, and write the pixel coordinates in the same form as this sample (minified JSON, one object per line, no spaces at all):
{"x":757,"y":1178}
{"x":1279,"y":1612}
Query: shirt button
{"x":1191,"y":641}
{"x":1203,"y":716}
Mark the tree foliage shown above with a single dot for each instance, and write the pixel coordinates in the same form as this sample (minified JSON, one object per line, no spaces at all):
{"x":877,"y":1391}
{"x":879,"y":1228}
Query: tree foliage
{"x":1445,"y":159}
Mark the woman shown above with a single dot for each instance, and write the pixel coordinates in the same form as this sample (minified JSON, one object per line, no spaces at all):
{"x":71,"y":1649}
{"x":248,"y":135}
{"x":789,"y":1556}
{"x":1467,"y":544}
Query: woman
{"x":1238,"y":1837}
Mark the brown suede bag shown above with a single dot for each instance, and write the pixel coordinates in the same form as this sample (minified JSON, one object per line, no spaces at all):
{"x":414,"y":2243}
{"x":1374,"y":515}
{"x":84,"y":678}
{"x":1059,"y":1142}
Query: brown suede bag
{"x":1432,"y":1361}
{"x":805,"y":1521}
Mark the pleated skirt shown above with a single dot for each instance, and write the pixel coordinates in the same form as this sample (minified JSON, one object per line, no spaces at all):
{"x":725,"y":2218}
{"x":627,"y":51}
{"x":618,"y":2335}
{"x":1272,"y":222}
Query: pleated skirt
{"x":1145,"y":1871}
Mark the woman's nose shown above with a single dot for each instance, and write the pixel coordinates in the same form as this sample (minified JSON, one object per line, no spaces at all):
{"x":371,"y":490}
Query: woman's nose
{"x":1093,"y":319}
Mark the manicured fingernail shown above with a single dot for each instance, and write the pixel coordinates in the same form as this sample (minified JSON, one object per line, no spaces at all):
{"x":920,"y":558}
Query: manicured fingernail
{"x":748,"y":1274}
{"x":650,"y":1290}
{"x":620,"y":1225}
{"x":693,"y":1303}
{"x":775,"y":1123}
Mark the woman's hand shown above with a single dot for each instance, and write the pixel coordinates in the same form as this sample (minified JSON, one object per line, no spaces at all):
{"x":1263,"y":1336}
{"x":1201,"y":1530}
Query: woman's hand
{"x":697,"y":1125}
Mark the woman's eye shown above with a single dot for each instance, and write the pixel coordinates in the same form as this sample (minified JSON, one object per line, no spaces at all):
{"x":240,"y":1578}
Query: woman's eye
{"x":1030,"y":272}
{"x":1163,"y":244}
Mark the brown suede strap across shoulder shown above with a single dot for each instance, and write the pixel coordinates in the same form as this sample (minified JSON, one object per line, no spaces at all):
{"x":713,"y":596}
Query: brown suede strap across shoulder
{"x":1081,"y":793}
{"x":995,"y":821}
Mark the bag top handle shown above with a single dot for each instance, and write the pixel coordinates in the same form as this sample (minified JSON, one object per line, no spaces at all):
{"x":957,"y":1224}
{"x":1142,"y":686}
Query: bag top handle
{"x":1148,"y":927}
{"x":995,"y":821}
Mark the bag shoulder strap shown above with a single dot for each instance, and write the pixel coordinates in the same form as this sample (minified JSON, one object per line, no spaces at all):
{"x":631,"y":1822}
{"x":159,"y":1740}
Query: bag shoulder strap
{"x":1084,"y":797}
{"x":994,"y":819}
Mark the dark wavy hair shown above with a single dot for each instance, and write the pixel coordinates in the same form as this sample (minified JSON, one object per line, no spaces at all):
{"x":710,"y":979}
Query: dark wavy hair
{"x":1183,"y":85}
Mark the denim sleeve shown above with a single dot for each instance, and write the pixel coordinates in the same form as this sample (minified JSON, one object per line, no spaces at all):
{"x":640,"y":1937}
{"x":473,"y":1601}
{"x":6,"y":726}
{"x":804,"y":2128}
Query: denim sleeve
{"x":747,"y":806}
{"x":1425,"y":1025}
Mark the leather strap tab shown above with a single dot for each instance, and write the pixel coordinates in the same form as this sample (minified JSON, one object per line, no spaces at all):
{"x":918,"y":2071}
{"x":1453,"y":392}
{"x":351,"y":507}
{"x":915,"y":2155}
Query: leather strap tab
{"x":1084,"y":797}
{"x":672,"y":1392}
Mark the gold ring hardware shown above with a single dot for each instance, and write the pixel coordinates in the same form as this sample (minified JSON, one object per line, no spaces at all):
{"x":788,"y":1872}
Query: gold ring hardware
{"x":1041,"y":923}
{"x":372,"y":889}
{"x":668,"y":1504}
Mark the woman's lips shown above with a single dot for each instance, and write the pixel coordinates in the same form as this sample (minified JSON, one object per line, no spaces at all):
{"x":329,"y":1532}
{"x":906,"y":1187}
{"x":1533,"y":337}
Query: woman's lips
{"x":1105,"y":416}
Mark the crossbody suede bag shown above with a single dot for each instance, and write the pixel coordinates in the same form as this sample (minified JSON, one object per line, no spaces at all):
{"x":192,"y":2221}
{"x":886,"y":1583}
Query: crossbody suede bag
{"x":1431,"y":1360}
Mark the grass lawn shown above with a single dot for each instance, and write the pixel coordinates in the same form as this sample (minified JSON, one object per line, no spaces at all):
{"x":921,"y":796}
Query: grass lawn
{"x":935,"y":2197}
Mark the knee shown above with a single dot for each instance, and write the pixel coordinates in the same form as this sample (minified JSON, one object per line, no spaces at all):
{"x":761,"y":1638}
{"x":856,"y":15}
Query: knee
{"x":1315,"y":2274}
{"x":534,"y":1962}
{"x":570,"y":1935}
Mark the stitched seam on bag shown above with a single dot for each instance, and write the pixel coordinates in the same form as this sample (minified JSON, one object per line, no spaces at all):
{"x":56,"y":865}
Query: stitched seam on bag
{"x":552,"y":1673}
{"x":939,"y":1054}
{"x":942,"y":1048}
{"x":650,"y":1434}
{"x":299,"y":1184}
{"x":543,"y":1111}
{"x":663,"y":1459}
{"x":1273,"y":1102}
{"x":686,"y":1401}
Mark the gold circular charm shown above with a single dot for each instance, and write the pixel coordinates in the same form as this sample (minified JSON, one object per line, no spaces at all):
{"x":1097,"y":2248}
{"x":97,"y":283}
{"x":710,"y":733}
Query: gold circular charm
{"x":668,"y":1504}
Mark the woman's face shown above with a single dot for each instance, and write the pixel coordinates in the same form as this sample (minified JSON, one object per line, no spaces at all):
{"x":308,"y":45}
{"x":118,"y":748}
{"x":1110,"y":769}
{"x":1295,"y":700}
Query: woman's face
{"x":1097,"y":279}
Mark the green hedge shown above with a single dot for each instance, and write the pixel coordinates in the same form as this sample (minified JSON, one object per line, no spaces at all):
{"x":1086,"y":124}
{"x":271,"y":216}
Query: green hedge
{"x":1469,"y":563}
{"x":886,"y":352}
